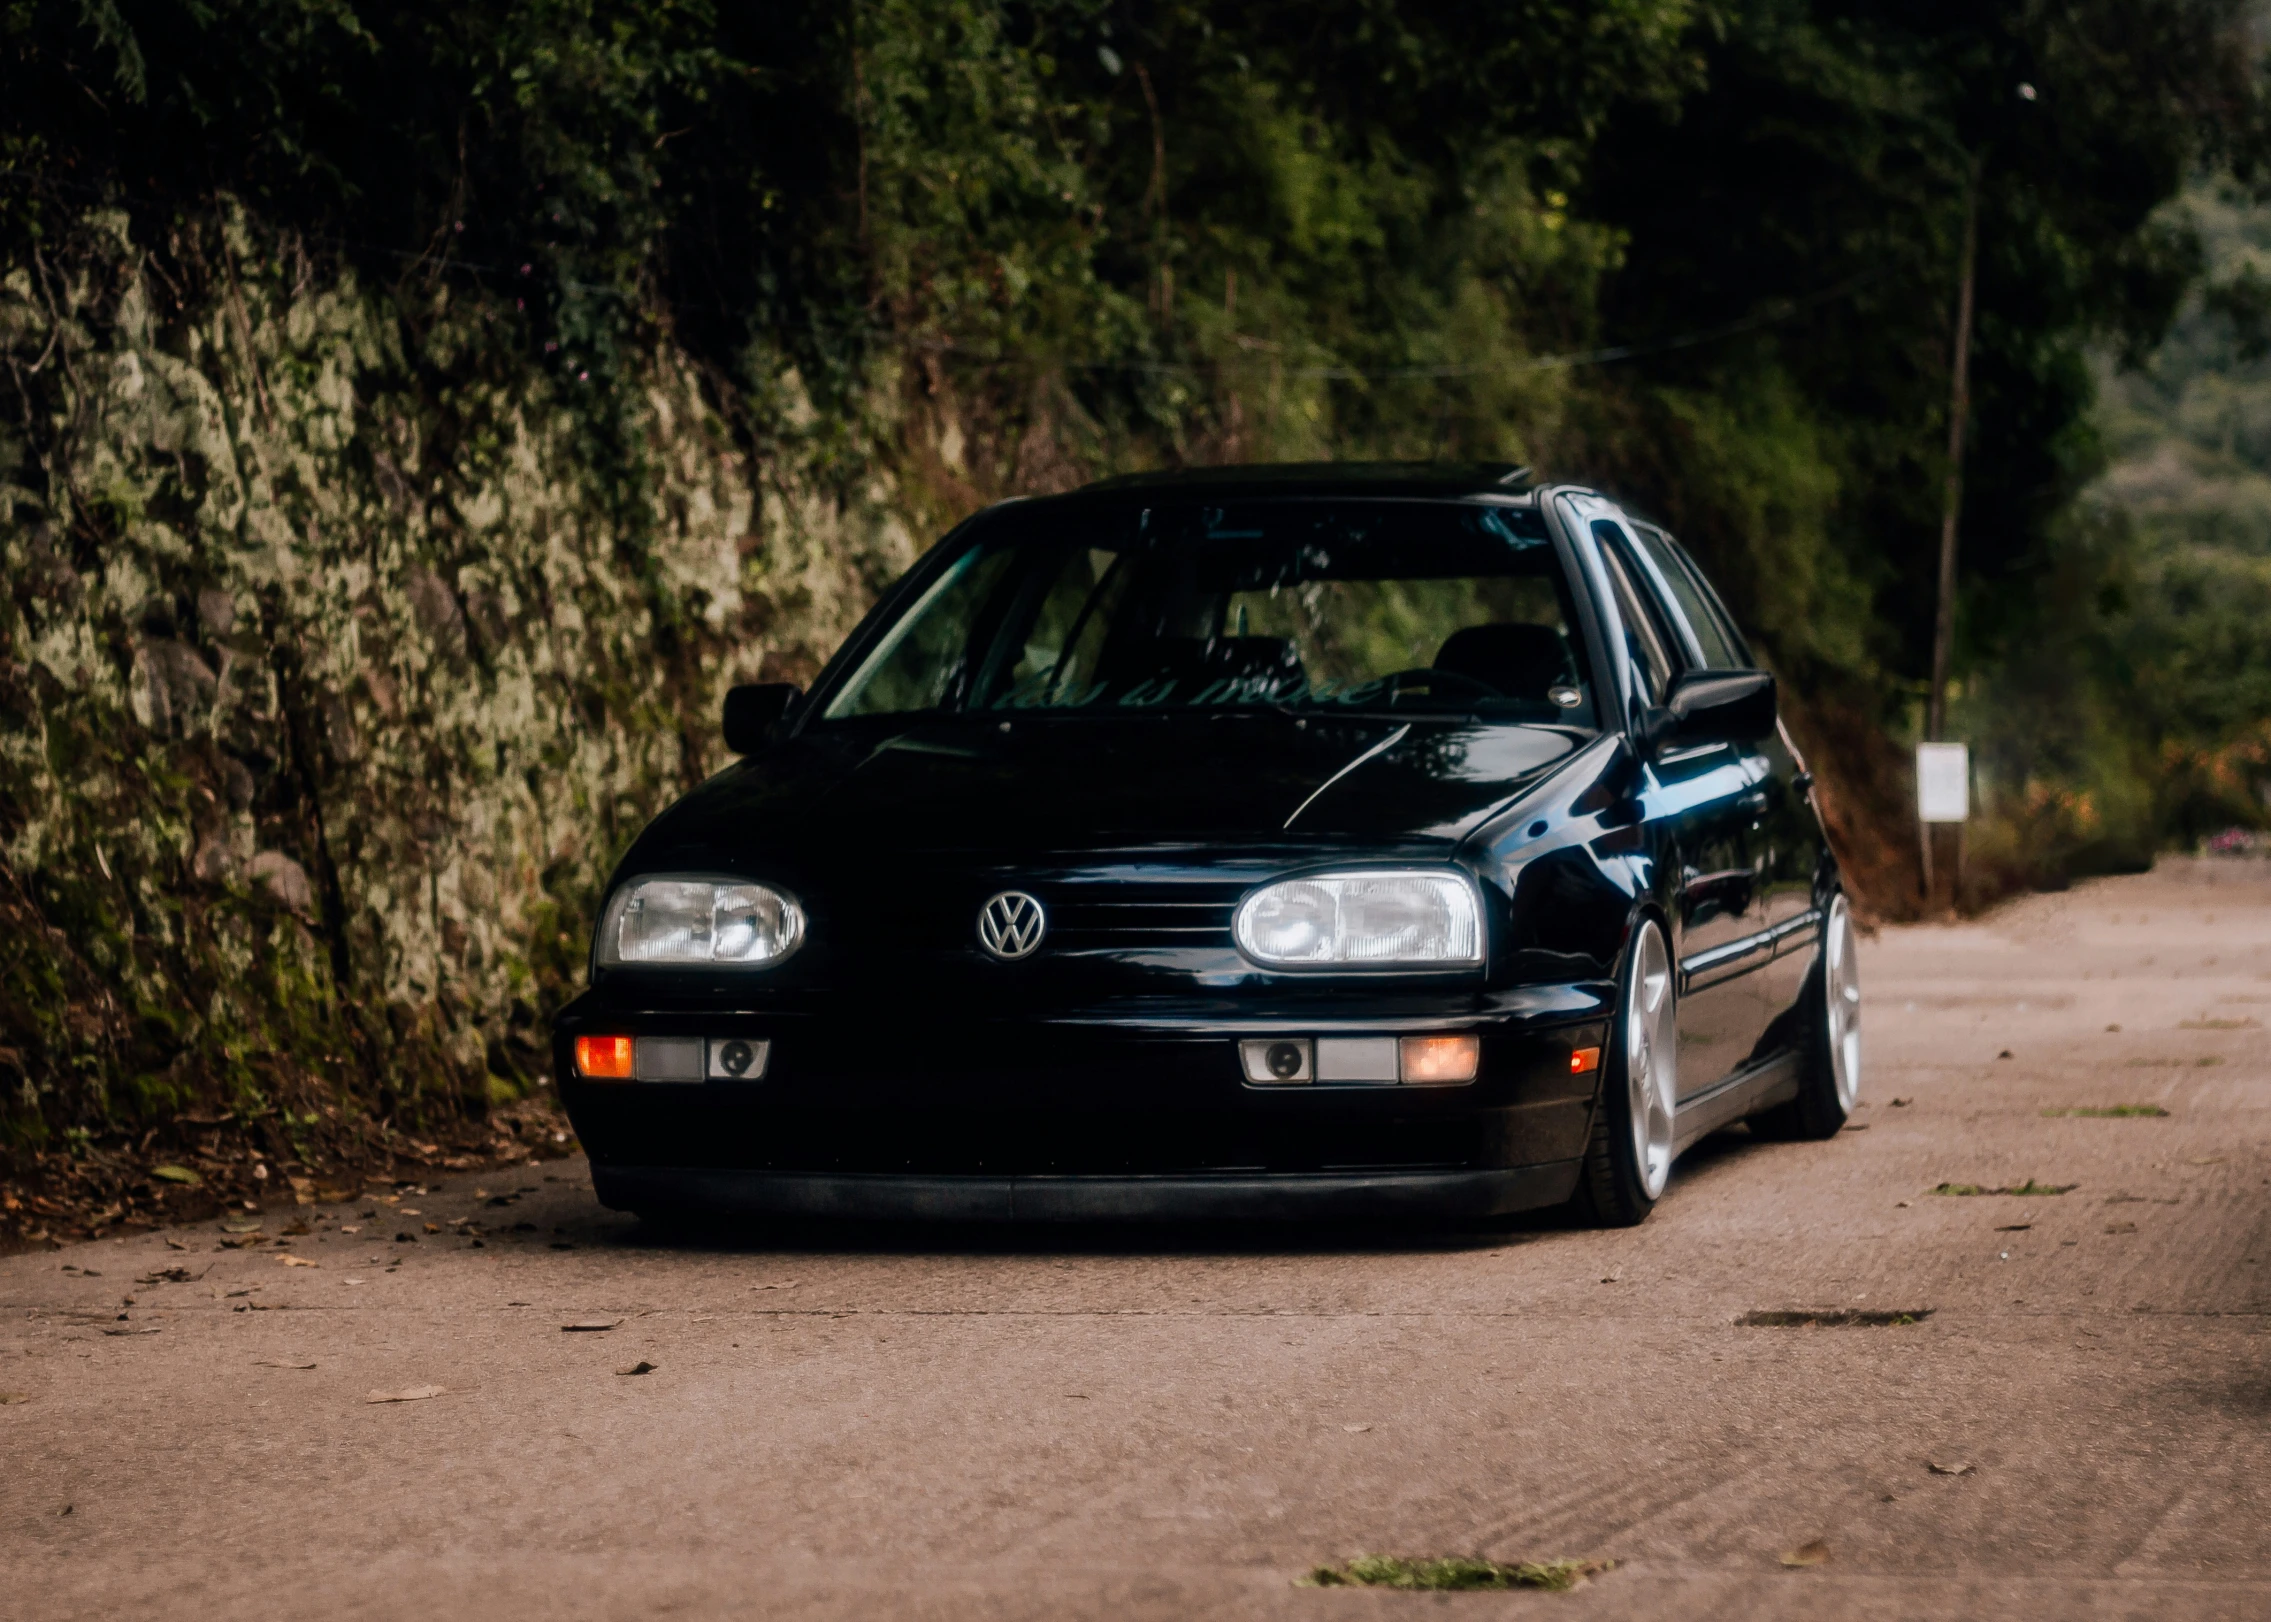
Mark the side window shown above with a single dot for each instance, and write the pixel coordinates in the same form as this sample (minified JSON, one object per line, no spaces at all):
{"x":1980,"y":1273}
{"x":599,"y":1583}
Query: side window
{"x":1710,"y":594}
{"x":1644,"y":637}
{"x":1703,"y":614}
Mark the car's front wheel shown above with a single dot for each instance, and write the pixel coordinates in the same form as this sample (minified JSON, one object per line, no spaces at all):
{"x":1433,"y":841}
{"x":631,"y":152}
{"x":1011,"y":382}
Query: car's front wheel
{"x":1629,"y":1158}
{"x":1829,"y":1076}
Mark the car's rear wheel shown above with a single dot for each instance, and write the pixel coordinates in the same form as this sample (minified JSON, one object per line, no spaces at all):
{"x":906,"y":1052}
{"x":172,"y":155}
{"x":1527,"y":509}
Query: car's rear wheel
{"x":1629,"y":1158}
{"x":1829,"y":1078}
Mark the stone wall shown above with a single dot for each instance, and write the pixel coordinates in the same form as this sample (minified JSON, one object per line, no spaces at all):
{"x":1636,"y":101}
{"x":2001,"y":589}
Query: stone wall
{"x":340,"y":655}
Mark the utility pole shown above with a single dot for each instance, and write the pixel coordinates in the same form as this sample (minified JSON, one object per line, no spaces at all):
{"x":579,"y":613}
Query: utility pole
{"x":1959,"y":409}
{"x":1951,"y":510}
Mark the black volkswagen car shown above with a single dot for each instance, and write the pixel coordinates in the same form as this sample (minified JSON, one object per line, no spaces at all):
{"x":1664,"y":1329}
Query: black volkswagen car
{"x":1255,"y":842}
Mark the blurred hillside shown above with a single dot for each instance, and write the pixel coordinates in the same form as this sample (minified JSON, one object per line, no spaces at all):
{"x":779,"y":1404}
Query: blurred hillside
{"x":2189,"y":434}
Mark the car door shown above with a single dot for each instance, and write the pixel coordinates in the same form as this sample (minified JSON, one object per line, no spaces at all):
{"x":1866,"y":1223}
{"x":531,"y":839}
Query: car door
{"x":1706,"y":798}
{"x":1787,"y":847}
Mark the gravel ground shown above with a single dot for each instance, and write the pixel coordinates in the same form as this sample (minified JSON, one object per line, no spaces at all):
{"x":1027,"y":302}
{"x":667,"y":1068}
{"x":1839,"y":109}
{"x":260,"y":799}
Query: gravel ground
{"x":1045,"y":1425}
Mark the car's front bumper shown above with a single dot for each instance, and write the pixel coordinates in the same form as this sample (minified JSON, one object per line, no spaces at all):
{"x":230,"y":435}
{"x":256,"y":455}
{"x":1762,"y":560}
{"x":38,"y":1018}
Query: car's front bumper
{"x":945,"y":1112}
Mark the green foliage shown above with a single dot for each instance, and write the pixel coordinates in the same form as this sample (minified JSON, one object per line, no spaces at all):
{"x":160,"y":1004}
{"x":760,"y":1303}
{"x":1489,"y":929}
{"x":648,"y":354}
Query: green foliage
{"x":2186,"y":619}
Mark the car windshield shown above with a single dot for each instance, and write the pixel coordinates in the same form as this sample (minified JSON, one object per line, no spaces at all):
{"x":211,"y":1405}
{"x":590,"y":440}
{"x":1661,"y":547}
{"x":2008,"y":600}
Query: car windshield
{"x":1305,"y":605}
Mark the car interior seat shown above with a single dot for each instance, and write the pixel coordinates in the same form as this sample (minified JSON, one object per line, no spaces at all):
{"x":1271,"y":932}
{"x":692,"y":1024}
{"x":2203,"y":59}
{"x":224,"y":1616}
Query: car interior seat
{"x":1519,"y":661}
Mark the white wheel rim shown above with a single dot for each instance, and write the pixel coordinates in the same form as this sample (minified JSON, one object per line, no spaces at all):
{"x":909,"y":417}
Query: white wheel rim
{"x":1841,"y":992}
{"x":1651,"y":1059}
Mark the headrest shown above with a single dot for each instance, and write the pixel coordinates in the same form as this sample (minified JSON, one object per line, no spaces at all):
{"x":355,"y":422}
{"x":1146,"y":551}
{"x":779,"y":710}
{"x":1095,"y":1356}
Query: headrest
{"x":1521,"y":661}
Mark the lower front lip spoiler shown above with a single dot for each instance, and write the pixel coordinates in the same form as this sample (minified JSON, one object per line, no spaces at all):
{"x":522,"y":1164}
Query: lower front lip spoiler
{"x":1285,"y":1196}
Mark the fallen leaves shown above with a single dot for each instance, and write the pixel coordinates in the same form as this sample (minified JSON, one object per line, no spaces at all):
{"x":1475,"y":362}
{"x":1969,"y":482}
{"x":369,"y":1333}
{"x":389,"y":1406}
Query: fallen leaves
{"x":2108,"y":1112}
{"x":1949,"y":1469}
{"x":411,"y":1393}
{"x":2030,"y":1186}
{"x":278,"y":1363}
{"x":169,"y":1275}
{"x":1835,"y":1318}
{"x":1458,"y":1572}
{"x":1355,"y":1430}
{"x":588,"y":1326}
{"x":130,"y":1329}
{"x":177,"y":1174}
{"x":642,"y":1366}
{"x":297,"y":1261}
{"x":7,"y":1397}
{"x":1815,"y":1553}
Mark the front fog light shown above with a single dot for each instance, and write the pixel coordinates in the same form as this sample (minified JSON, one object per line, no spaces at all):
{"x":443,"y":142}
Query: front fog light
{"x":1383,"y":920}
{"x":1441,"y":1061}
{"x":1278,"y":1061}
{"x":717,"y":923}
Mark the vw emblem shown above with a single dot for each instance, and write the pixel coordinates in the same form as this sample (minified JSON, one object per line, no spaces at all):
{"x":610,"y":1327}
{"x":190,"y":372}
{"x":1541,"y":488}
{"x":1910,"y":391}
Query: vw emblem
{"x":1011,"y":925}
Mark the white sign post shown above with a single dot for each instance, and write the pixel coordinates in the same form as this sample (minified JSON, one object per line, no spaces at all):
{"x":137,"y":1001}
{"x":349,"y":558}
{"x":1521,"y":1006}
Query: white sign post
{"x":1943,"y":794}
{"x":1943,"y":782}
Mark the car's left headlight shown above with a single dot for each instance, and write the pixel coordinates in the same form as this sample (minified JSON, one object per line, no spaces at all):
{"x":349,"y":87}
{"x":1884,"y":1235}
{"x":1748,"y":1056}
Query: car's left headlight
{"x":1372,"y":920}
{"x":716,"y":923}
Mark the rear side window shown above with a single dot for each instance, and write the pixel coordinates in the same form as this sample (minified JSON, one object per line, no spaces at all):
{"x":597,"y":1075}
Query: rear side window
{"x":1714,"y":632}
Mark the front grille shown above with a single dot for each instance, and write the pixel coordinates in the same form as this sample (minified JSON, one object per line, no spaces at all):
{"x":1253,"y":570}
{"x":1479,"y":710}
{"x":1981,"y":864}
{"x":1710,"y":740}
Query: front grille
{"x":937,"y":911}
{"x":1138,"y":915}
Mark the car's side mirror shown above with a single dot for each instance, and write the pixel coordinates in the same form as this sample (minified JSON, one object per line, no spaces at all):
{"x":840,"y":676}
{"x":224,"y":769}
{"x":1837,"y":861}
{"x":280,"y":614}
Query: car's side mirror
{"x":754,"y":710}
{"x":1714,"y":706}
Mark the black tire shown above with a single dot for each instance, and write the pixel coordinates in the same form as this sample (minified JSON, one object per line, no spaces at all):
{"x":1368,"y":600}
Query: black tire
{"x":1828,"y":1044}
{"x":1625,"y":1165}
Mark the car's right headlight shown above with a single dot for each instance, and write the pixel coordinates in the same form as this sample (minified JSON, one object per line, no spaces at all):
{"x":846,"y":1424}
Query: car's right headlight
{"x":1392,"y":919}
{"x":709,"y":923}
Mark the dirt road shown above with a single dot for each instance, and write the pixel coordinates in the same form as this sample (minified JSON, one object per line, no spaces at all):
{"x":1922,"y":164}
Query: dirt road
{"x":1050,"y":1426}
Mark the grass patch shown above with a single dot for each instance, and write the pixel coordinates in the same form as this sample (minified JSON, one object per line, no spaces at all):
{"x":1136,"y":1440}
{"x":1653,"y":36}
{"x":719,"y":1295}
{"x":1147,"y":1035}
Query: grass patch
{"x":2030,"y":1186}
{"x":1457,"y":1572}
{"x":1834,"y":1318}
{"x":2110,"y":1112}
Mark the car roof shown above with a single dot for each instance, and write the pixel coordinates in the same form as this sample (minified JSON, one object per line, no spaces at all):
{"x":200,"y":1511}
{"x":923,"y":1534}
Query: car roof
{"x":1279,"y":479}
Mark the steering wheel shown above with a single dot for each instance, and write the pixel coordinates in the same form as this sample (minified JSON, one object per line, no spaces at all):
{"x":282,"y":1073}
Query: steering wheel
{"x":1476,"y":684}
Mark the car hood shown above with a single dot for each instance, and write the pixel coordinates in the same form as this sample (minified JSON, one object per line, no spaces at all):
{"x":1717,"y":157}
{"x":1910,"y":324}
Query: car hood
{"x":1064,"y":785}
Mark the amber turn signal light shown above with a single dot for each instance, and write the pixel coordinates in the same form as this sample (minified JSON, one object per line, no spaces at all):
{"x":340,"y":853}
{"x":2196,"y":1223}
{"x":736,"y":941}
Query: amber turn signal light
{"x":1582,"y":1060}
{"x":1440,"y":1061}
{"x":605,"y":1058}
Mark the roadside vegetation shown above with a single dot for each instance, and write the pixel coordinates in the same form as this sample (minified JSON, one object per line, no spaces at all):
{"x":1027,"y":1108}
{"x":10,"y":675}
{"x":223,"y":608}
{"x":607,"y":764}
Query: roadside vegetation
{"x":414,"y":417}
